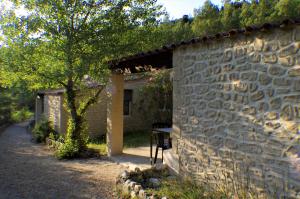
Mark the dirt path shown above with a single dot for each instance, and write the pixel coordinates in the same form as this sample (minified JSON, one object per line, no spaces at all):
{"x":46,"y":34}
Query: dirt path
{"x":29,"y":171}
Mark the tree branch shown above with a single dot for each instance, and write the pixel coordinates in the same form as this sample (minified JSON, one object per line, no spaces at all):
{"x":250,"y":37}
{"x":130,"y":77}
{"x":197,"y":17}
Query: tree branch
{"x":91,"y":101}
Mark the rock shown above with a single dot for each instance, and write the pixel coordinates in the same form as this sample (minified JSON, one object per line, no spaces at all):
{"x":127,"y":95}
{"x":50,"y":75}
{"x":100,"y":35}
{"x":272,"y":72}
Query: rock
{"x":154,"y":182}
{"x":126,"y":188}
{"x":217,"y":104}
{"x":297,"y":85}
{"x":133,"y":194}
{"x":292,"y":98}
{"x":124,"y":175}
{"x":271,"y":116}
{"x":290,"y":50}
{"x":287,"y":113}
{"x":255,"y":57}
{"x":244,"y":67}
{"x":250,"y":76}
{"x":257,"y":96}
{"x":142,"y":194}
{"x":253,"y":87}
{"x":132,"y":184}
{"x":264,"y":79}
{"x":127,"y":182}
{"x":137,"y":170}
{"x":287,"y":61}
{"x":263,"y":106}
{"x":294,"y":72}
{"x":227,"y":56}
{"x":137,"y":188}
{"x":275,"y":70}
{"x":234,"y":76}
{"x":241,"y":87}
{"x":272,"y":58}
{"x":276,"y":103}
{"x":282,"y":82}
{"x":258,"y":44}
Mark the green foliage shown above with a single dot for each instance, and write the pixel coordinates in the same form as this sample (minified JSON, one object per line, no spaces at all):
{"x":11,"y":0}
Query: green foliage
{"x":98,"y":145}
{"x":207,"y":20}
{"x":16,"y":104}
{"x":185,"y":189}
{"x":158,"y":97}
{"x":42,"y":130}
{"x":136,"y":139}
{"x":74,"y":146}
{"x":21,"y":115}
{"x":58,"y":44}
{"x":68,"y":150}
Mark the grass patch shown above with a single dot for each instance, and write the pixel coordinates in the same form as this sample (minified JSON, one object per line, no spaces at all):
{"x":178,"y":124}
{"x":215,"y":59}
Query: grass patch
{"x":136,"y":139}
{"x":175,"y":188}
{"x":98,"y":145}
{"x":131,"y":140}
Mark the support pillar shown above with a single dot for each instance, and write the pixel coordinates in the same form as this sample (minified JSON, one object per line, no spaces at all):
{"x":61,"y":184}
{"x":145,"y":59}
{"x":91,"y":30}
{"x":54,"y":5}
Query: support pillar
{"x":115,"y":91}
{"x":38,"y":108}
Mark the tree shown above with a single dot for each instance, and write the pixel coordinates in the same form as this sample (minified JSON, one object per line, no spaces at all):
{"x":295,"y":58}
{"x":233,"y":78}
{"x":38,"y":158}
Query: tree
{"x":207,"y":20}
{"x":258,"y":12}
{"x":230,"y":15}
{"x":287,"y":9}
{"x":60,"y":42}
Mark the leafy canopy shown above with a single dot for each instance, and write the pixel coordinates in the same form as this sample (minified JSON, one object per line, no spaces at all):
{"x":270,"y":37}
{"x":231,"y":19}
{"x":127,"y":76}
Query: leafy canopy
{"x":61,"y":41}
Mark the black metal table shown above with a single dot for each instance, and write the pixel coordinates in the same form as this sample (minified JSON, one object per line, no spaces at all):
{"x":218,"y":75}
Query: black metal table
{"x":157,"y":131}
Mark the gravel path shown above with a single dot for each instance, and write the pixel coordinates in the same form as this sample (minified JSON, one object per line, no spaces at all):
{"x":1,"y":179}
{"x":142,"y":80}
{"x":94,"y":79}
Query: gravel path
{"x":29,"y":171}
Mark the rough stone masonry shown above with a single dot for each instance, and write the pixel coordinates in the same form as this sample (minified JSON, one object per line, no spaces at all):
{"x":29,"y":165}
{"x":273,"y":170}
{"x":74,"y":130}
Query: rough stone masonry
{"x":237,"y":112}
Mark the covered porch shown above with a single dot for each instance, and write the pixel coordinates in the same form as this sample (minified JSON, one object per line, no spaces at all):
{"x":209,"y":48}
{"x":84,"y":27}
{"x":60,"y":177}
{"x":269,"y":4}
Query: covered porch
{"x":144,"y":62}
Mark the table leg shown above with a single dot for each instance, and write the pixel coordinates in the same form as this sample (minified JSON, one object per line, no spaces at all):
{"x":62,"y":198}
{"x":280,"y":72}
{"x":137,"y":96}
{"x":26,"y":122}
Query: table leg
{"x":151,"y":159}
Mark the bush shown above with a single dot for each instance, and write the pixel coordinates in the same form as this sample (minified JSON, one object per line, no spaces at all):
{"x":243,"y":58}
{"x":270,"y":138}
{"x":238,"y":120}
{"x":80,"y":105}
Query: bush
{"x":42,"y":130}
{"x":21,"y":115}
{"x":69,"y":150}
{"x":72,"y":148}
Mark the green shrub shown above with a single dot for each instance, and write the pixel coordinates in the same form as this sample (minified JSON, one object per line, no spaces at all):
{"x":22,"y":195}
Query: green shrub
{"x":42,"y":130}
{"x":72,"y":148}
{"x":21,"y":115}
{"x":69,"y":150}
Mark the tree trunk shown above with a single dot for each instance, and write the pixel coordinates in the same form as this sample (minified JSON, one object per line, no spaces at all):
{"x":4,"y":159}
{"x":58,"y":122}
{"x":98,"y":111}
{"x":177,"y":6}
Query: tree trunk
{"x":76,"y":123}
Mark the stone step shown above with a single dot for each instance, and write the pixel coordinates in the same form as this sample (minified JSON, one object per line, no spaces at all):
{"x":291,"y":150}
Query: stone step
{"x":172,"y":160}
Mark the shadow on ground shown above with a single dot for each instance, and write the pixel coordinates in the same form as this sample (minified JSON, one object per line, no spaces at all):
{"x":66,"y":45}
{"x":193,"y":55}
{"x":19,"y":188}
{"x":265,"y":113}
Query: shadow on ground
{"x":29,"y":170}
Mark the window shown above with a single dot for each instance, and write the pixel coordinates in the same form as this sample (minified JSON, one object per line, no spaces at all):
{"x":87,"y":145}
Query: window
{"x":127,"y":101}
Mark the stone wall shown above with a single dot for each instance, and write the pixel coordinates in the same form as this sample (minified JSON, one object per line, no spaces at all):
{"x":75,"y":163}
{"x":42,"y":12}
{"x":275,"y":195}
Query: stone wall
{"x":236,"y":111}
{"x":52,"y":110}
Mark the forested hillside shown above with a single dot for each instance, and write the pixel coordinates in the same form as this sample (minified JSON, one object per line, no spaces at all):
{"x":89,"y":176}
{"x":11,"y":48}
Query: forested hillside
{"x":210,"y":19}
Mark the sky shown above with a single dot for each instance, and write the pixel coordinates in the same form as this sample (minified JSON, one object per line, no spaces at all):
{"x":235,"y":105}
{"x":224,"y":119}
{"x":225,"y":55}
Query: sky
{"x":178,"y":8}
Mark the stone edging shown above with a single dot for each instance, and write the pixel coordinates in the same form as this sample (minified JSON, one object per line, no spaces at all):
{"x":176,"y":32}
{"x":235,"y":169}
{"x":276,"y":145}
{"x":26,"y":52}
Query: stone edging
{"x":126,"y":185}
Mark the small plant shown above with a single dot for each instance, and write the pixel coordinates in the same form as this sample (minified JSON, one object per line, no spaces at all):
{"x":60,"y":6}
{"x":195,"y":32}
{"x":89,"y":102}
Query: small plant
{"x":42,"y":130}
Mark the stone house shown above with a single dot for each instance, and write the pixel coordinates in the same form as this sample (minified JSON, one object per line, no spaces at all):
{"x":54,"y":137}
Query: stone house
{"x":49,"y":103}
{"x":236,"y":107}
